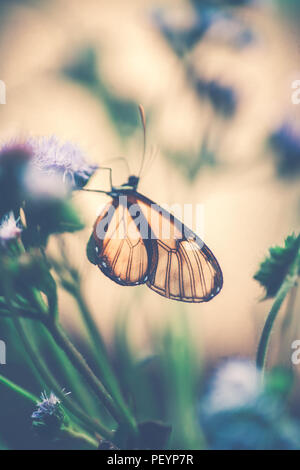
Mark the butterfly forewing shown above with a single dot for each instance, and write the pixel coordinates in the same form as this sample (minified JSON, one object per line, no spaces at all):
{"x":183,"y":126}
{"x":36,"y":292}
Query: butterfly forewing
{"x":121,"y":251}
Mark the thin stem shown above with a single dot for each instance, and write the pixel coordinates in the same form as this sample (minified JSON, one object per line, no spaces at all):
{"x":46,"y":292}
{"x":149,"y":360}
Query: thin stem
{"x":43,"y":373}
{"x":72,"y":285}
{"x":40,"y":305}
{"x":6,"y":313}
{"x":38,"y":301}
{"x":20,"y":390}
{"x":108,"y":377}
{"x":99,"y":347}
{"x":79,"y":438}
{"x":54,"y":328}
{"x":80,"y":364}
{"x":288,"y":283}
{"x":91,"y":424}
{"x":69,"y":432}
{"x":289,"y":310}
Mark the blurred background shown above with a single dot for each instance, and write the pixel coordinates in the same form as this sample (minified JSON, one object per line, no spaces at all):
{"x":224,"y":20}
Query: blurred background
{"x":215,"y":79}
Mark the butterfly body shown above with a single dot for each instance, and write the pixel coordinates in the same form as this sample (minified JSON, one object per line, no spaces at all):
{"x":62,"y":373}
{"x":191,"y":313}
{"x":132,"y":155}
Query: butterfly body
{"x":135,"y":242}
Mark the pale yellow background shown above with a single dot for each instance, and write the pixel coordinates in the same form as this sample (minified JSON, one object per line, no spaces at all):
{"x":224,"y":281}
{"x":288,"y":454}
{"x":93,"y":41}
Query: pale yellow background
{"x":247,"y":208}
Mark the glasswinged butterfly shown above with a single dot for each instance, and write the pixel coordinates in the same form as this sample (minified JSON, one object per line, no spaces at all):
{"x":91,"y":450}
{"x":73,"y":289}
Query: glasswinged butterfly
{"x":135,"y":241}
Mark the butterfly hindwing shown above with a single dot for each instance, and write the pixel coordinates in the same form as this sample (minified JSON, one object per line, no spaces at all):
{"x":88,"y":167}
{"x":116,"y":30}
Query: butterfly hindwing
{"x":182,"y":267}
{"x":186,"y":273}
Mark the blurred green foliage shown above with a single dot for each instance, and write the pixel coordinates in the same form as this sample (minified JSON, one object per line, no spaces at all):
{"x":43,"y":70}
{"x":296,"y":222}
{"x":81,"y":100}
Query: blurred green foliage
{"x":85,"y":70}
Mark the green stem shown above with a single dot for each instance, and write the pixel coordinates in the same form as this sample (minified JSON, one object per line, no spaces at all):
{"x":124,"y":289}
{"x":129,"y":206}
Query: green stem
{"x":6,"y":313}
{"x":70,"y":280}
{"x":80,"y":364}
{"x":91,"y":424}
{"x":79,"y":438}
{"x":37,"y":300}
{"x":107,"y":375}
{"x":49,"y":379}
{"x":288,"y":283}
{"x":54,"y":328}
{"x":20,"y":390}
{"x":43,"y":373}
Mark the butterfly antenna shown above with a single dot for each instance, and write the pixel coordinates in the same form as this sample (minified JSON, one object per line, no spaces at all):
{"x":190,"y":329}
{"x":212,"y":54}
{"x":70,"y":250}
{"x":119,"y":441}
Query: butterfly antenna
{"x":143,"y":120}
{"x":153,"y":154}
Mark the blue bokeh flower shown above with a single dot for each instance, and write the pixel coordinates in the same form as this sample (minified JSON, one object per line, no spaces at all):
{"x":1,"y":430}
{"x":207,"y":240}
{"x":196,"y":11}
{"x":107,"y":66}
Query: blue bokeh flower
{"x":223,"y":98}
{"x":285,"y":142}
{"x":183,"y":28}
{"x":235,"y":383}
{"x":180,"y":29}
{"x":239,"y":413}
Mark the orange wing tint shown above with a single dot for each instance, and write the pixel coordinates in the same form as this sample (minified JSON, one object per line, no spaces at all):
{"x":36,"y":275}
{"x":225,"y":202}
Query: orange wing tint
{"x":137,"y":242}
{"x":120,"y":249}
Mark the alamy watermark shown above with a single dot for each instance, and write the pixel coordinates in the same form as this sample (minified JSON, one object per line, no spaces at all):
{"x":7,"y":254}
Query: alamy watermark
{"x":2,"y":92}
{"x":2,"y":353}
{"x":295,"y":97}
{"x":295,"y":357}
{"x":135,"y":220}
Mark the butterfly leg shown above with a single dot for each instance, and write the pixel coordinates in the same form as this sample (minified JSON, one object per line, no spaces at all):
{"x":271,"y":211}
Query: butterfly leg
{"x":110,"y":175}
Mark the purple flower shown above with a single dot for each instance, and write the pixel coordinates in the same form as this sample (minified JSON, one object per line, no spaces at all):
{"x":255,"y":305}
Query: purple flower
{"x":49,"y":418}
{"x":52,"y":157}
{"x":47,"y":406}
{"x":40,"y":186}
{"x":9,"y":229}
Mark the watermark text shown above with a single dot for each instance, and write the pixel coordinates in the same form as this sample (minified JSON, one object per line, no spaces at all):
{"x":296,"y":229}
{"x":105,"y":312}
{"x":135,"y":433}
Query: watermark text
{"x":2,"y":92}
{"x":2,"y":352}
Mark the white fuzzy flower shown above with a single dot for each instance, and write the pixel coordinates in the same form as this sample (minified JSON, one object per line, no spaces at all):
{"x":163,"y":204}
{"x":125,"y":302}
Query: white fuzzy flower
{"x":9,"y":229}
{"x":53,"y":157}
{"x":235,"y":384}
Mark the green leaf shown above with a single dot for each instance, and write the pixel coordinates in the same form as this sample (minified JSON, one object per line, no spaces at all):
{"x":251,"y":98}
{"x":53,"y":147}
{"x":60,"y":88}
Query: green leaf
{"x":84,"y":69}
{"x":276,"y":265}
{"x":48,"y":217}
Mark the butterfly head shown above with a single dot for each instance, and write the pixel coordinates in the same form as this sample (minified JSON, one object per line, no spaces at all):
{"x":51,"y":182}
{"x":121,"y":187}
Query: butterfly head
{"x":132,"y":182}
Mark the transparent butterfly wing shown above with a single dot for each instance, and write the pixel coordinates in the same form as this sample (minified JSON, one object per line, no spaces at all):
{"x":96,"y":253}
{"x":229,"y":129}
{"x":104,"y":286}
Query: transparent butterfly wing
{"x":137,"y":242}
{"x":182,"y":267}
{"x":121,"y":253}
